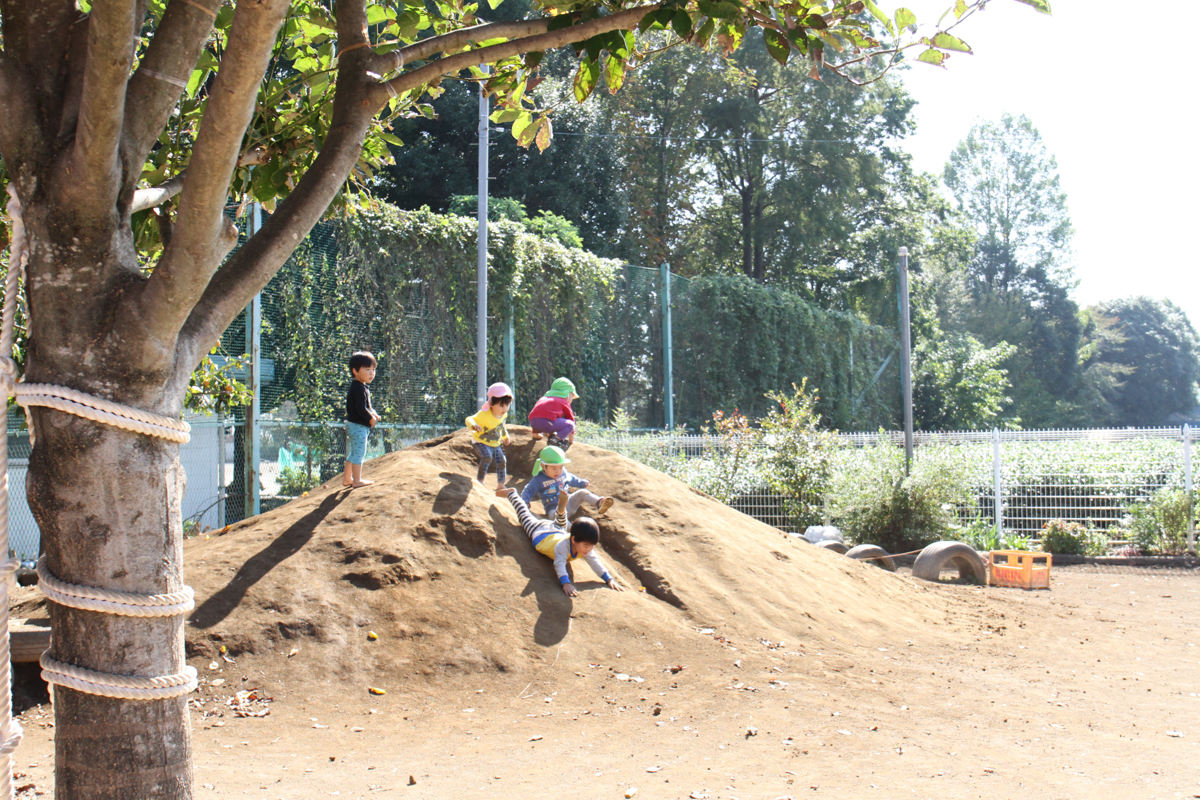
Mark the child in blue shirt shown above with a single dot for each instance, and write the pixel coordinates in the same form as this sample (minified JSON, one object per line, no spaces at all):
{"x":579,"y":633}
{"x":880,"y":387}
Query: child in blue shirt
{"x":551,"y":479}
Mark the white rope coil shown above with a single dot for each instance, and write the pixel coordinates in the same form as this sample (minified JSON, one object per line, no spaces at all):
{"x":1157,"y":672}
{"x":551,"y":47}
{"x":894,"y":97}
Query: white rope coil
{"x":106,"y":412}
{"x":13,"y":740}
{"x":96,"y":409}
{"x":125,"y":604}
{"x":127,"y":687}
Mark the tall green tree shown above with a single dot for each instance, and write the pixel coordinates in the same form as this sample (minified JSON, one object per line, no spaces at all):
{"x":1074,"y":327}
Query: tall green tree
{"x":113,"y":109}
{"x":797,"y":166}
{"x":1006,"y":183}
{"x":1006,"y":186}
{"x":579,"y":176}
{"x":657,"y":124}
{"x":1158,"y":353}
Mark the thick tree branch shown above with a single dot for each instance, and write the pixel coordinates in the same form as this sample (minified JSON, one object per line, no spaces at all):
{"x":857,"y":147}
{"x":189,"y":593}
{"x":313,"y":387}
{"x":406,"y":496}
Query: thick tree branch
{"x":72,"y":86}
{"x":157,"y":195}
{"x":187,"y":265}
{"x":111,"y":40}
{"x":456,"y":40}
{"x":622,"y":20}
{"x":35,"y":35}
{"x":20,"y":136}
{"x":9,"y":95}
{"x":249,"y":270}
{"x":155,"y":87}
{"x":257,"y":261}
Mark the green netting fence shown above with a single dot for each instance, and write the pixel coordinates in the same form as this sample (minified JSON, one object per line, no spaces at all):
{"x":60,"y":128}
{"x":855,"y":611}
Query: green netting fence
{"x":402,"y":285}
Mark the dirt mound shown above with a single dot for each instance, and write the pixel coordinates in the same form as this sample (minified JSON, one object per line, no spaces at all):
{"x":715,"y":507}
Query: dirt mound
{"x":438,"y":567}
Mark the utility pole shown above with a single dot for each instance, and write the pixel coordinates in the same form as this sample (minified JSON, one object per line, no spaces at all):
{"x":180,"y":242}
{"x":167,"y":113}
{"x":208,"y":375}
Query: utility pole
{"x":481,"y":277}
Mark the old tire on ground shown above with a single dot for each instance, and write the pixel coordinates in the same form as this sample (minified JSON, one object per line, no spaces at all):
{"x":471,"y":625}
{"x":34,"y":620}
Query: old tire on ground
{"x":877,"y":555}
{"x":950,"y":555}
{"x":835,"y":546}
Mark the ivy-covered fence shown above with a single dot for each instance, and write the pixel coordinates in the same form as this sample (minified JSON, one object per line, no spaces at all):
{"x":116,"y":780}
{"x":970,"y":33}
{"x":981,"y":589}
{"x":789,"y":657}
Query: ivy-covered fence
{"x":402,"y":284}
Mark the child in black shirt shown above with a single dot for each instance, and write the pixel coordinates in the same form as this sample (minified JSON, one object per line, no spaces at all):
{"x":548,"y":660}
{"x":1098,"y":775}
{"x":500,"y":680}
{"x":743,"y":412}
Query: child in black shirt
{"x":360,"y":417}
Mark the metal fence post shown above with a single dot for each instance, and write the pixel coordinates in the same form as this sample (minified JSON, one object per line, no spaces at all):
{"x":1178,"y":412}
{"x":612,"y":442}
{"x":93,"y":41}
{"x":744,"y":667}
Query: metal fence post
{"x":254,"y":383}
{"x":221,"y":470}
{"x":668,"y":388}
{"x":906,"y":363}
{"x":1187,"y":486}
{"x":996,"y":484}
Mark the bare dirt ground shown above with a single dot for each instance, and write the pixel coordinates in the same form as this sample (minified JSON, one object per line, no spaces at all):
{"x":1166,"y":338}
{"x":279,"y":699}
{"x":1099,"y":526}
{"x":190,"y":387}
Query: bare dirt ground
{"x":742,"y":664}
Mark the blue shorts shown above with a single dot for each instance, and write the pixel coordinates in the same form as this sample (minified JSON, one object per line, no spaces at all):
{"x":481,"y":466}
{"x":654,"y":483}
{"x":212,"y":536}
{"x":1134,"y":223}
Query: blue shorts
{"x":356,"y":440}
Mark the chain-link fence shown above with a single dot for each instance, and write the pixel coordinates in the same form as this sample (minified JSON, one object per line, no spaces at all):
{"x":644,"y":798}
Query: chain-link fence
{"x":402,"y":285}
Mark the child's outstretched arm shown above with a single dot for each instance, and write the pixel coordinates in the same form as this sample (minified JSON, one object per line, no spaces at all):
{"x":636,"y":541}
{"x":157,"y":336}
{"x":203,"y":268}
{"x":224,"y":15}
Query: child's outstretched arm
{"x":598,"y":567}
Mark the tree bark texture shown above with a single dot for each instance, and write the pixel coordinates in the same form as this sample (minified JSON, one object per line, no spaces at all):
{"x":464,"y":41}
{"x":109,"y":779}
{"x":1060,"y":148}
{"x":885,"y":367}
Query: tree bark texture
{"x":108,"y":505}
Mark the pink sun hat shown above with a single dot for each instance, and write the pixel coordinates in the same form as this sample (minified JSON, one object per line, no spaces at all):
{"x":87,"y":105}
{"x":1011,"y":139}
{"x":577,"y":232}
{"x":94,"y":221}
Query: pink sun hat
{"x":496,"y":390}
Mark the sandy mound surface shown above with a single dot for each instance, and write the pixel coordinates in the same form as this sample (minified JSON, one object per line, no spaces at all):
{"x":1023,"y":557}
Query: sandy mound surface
{"x":438,"y":567}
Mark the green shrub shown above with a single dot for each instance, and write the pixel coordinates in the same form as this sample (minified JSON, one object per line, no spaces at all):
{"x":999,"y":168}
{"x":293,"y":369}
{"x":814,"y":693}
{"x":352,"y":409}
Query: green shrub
{"x":873,"y":501}
{"x":801,"y":460}
{"x":1064,"y":538}
{"x":1073,"y":539}
{"x":1160,"y":526}
{"x":979,"y":533}
{"x":295,"y":481}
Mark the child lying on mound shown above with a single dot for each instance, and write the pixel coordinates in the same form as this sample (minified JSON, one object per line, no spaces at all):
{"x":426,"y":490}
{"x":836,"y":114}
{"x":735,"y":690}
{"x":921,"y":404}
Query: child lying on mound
{"x":552,"y":541}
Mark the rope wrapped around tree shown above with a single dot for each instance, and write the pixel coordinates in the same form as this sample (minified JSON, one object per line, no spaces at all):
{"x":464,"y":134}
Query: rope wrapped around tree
{"x":91,"y":598}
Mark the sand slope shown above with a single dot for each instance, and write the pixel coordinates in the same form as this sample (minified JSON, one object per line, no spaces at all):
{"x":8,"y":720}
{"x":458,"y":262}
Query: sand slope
{"x":438,"y":567}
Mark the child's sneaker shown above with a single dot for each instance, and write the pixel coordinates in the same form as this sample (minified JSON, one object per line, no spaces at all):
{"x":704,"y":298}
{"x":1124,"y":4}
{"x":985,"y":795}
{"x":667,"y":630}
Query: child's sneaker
{"x":603,"y":505}
{"x":561,"y":444}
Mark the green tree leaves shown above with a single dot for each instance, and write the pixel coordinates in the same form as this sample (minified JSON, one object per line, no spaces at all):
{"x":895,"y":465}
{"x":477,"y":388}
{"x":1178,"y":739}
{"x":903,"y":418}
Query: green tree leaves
{"x":1160,"y":354}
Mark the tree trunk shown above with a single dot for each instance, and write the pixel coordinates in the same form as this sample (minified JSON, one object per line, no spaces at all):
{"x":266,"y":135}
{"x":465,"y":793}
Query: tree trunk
{"x":756,"y":231}
{"x":108,"y":505}
{"x":747,"y":193}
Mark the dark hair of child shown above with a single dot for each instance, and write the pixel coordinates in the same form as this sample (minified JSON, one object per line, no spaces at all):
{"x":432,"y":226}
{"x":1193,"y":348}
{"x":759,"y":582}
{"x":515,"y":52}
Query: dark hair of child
{"x":585,"y":529}
{"x":499,"y":401}
{"x":361,"y":359}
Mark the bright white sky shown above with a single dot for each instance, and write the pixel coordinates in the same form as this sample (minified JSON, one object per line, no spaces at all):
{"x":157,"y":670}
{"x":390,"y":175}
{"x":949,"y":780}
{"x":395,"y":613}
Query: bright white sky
{"x":1112,"y":92}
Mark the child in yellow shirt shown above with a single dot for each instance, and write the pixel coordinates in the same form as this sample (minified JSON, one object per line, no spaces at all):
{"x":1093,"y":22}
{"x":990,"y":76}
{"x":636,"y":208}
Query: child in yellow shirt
{"x":488,"y":430}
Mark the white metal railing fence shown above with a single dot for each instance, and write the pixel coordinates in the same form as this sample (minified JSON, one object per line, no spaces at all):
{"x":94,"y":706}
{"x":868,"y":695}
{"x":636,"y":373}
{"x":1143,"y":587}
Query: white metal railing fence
{"x":1088,"y":476}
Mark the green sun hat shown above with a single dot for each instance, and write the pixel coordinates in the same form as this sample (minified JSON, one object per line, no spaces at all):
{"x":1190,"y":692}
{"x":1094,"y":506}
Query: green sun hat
{"x":562,"y":387}
{"x":549,"y":455}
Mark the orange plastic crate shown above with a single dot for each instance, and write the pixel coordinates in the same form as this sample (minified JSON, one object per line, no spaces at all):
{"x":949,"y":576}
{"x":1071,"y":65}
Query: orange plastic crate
{"x":1019,"y":569}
